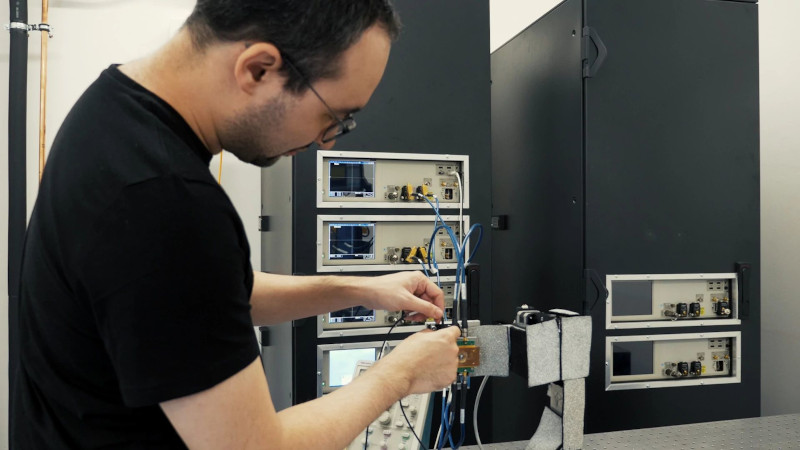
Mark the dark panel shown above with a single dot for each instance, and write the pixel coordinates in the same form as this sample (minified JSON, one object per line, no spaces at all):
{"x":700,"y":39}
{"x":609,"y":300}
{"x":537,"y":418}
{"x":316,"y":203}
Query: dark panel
{"x":632,"y":298}
{"x":672,"y":181}
{"x":537,"y":183}
{"x":633,"y":358}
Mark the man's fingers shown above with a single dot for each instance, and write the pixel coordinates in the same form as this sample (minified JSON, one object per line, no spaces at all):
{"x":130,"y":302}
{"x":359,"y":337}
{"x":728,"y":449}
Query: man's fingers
{"x":417,"y":317}
{"x":456,"y":332}
{"x":427,"y":290}
{"x":436,"y":301}
{"x":425,"y":308}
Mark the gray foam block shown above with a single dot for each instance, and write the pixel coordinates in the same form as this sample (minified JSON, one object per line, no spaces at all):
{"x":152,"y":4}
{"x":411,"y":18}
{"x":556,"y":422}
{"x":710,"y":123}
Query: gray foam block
{"x":548,"y":435}
{"x":493,"y":342}
{"x":577,"y":342}
{"x":544,"y":345}
{"x":574,"y":398}
{"x":542,"y":353}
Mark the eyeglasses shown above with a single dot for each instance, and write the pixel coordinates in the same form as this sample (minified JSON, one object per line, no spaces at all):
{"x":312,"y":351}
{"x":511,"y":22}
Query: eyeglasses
{"x":342,"y":126}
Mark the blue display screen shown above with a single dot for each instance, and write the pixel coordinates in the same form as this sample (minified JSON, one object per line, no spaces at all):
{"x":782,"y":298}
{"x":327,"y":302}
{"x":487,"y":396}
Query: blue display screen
{"x":351,"y":178}
{"x":351,"y":241}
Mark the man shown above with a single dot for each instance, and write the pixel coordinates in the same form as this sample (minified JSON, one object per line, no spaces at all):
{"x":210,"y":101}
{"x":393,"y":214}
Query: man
{"x":138,"y":299}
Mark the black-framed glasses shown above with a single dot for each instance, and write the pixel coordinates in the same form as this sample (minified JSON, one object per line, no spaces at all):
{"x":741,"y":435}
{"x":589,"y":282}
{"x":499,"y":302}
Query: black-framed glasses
{"x":342,"y":126}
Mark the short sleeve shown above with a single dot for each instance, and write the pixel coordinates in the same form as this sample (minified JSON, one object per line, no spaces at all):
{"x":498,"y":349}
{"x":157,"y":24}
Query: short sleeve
{"x":168,"y":279}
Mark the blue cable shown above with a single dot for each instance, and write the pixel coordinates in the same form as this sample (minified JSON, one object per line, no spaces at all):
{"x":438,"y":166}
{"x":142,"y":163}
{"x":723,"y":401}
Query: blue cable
{"x":424,"y":269}
{"x":450,"y":434}
{"x":461,"y":439}
{"x":459,"y":249}
{"x":479,"y":227}
{"x":439,"y":219}
{"x":450,"y":233}
{"x":443,"y":426}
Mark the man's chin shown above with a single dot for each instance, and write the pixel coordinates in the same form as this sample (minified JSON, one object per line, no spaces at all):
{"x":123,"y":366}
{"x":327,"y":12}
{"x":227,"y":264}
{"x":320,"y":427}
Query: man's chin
{"x":263,"y":161}
{"x":267,"y":161}
{"x":297,"y":150}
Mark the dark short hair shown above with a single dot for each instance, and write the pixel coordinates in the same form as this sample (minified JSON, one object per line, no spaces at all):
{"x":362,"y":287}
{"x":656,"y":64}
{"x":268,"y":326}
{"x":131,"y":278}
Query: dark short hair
{"x":312,"y":34}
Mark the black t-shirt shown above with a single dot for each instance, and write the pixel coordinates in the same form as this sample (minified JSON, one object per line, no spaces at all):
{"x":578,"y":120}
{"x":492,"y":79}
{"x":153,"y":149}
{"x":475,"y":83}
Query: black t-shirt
{"x":136,"y":278}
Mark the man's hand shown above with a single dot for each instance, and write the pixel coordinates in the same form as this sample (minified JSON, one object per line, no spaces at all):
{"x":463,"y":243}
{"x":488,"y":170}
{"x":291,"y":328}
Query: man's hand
{"x":429,"y":360}
{"x":404,"y":291}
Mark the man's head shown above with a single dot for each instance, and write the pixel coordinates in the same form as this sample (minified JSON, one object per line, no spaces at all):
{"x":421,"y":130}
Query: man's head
{"x":292,"y":62}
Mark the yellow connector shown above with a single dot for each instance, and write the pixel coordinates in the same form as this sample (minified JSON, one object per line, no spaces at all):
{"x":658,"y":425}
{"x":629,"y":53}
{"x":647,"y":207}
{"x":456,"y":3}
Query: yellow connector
{"x":411,"y":258}
{"x":423,"y":254}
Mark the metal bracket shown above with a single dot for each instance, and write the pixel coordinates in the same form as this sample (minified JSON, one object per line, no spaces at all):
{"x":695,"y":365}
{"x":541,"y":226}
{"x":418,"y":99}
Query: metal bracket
{"x":42,"y":27}
{"x":263,"y":223}
{"x":25,"y":27}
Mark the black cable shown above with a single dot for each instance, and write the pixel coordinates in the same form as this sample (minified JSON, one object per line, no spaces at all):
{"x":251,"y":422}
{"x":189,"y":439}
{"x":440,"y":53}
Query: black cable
{"x":17,"y":201}
{"x":380,"y":355}
{"x":456,"y":304}
{"x":463,"y":407}
{"x":402,"y":410}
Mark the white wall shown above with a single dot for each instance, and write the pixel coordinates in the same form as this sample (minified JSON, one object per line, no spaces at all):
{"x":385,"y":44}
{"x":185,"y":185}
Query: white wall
{"x":780,"y":207}
{"x":508,"y":17}
{"x":780,"y":186}
{"x":89,"y":36}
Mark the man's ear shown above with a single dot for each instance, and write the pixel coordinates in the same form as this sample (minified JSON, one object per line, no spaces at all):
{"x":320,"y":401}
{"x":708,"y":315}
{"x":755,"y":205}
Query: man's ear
{"x":258,"y":64}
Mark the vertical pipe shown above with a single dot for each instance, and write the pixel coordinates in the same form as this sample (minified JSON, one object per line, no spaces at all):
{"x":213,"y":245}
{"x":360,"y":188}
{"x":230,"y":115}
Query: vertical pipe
{"x":17,"y":210}
{"x":43,"y":89}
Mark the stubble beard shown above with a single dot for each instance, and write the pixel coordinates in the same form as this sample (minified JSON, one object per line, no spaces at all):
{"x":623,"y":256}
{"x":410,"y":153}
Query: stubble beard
{"x":251,"y":136}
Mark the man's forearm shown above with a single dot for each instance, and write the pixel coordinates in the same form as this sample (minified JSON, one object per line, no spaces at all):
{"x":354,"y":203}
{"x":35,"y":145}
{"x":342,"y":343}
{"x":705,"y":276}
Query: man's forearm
{"x":280,"y":298}
{"x":339,"y":417}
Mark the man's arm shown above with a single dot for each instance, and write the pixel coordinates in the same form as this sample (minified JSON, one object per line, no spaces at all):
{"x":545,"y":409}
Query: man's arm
{"x":280,"y":298}
{"x":238,"y":413}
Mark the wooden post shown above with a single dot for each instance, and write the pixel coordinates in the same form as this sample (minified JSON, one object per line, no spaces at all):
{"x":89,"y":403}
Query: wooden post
{"x":43,"y":89}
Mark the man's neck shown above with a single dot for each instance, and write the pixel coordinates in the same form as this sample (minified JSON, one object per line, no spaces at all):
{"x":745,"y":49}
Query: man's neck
{"x":176,"y":74}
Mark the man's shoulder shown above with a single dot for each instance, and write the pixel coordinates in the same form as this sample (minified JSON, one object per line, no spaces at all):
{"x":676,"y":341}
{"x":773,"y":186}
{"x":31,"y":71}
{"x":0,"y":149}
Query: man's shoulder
{"x":114,"y":139}
{"x":120,"y":133}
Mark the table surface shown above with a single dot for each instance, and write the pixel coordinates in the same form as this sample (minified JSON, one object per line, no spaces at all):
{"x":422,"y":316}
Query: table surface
{"x":773,"y":432}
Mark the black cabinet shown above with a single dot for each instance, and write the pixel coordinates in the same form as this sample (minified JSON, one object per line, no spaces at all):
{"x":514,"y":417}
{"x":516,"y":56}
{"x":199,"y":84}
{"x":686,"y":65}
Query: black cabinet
{"x":625,"y":140}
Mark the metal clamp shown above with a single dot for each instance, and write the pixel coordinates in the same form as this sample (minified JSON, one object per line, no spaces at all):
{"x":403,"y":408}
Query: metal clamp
{"x":42,"y":27}
{"x":25,"y":27}
{"x":17,"y":26}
